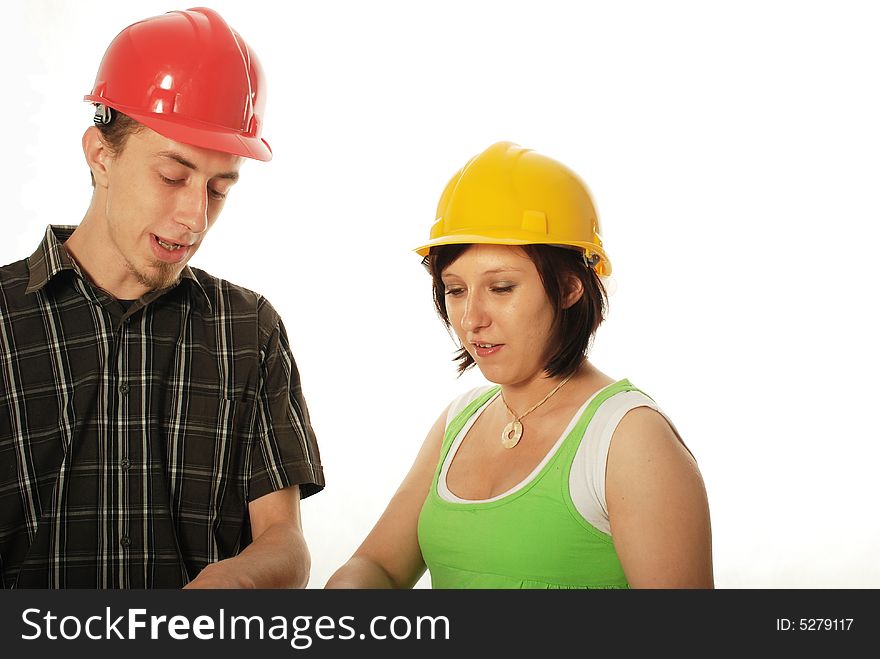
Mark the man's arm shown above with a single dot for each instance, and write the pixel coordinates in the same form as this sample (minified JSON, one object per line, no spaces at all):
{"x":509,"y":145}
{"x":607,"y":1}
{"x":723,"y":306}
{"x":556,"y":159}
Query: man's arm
{"x":278,"y":556}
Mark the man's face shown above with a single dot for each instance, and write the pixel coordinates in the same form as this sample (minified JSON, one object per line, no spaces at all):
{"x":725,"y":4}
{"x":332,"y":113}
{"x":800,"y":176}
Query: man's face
{"x":162,"y":197}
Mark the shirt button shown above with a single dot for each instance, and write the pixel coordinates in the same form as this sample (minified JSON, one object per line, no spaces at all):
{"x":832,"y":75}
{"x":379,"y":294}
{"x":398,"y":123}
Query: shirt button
{"x":125,"y":541}
{"x":125,"y":463}
{"x":124,"y":388}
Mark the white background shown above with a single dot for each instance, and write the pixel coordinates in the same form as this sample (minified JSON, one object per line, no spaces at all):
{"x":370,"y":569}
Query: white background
{"x":733,"y":150}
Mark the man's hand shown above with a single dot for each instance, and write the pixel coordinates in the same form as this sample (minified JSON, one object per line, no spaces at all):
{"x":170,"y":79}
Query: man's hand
{"x":221,"y":574}
{"x":278,"y":556}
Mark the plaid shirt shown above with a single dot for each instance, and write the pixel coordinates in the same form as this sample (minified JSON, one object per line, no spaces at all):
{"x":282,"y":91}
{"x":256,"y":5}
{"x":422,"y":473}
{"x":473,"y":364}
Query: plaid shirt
{"x":132,"y":440}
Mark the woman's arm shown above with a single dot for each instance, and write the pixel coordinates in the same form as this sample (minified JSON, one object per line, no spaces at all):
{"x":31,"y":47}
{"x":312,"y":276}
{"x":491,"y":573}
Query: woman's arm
{"x":657,"y":505}
{"x":390,"y":557}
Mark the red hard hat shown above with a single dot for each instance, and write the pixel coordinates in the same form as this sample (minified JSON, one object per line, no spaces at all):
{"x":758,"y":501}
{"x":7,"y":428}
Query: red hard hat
{"x":190,"y":77}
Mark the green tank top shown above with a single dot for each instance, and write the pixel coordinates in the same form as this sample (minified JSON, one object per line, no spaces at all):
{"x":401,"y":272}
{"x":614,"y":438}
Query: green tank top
{"x":532,"y":538}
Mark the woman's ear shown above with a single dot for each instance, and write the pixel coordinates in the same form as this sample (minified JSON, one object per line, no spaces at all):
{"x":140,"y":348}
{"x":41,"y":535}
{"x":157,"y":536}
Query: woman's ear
{"x":97,"y":155}
{"x":574,"y":291}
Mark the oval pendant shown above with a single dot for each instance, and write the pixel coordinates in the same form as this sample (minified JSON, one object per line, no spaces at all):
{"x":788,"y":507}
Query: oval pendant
{"x":512,"y":433}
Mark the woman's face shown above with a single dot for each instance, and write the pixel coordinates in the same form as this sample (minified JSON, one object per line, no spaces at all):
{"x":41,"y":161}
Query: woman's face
{"x":499,"y":309}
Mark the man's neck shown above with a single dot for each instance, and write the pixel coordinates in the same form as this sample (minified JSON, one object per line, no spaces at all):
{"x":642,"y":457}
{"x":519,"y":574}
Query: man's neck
{"x":90,"y":252}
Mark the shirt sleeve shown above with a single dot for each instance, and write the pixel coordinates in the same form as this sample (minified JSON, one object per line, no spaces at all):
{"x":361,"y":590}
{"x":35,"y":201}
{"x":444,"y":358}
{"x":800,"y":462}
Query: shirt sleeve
{"x":286,"y":451}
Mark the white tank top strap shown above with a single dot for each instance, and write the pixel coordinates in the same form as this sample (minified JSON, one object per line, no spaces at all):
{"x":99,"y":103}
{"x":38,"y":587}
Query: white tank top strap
{"x":463,"y":401}
{"x":587,"y":478}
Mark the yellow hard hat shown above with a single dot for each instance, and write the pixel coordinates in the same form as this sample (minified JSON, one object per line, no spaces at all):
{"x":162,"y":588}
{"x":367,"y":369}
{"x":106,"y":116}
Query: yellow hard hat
{"x":508,"y":195}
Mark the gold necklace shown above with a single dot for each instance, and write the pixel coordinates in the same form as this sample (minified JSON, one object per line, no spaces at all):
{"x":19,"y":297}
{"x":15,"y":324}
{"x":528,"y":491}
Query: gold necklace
{"x":513,"y":431}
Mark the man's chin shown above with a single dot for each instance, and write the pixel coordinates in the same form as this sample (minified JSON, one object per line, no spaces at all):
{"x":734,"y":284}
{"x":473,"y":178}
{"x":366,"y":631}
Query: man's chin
{"x":167,"y":280}
{"x":159,"y":276}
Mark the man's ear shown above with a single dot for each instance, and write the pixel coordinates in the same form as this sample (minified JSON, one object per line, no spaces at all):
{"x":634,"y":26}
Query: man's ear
{"x":98,"y":156}
{"x":574,"y":291}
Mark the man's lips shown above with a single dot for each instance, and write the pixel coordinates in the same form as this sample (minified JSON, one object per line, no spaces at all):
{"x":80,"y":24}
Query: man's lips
{"x":169,"y":250}
{"x":171,"y":244}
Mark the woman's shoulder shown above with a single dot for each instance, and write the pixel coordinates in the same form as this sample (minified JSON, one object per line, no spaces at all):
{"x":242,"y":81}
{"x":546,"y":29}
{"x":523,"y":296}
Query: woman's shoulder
{"x":633,"y":418}
{"x":636,"y":413}
{"x":642,"y":430}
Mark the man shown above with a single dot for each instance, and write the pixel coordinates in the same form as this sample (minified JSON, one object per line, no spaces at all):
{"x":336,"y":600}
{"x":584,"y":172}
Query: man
{"x":153,"y":431}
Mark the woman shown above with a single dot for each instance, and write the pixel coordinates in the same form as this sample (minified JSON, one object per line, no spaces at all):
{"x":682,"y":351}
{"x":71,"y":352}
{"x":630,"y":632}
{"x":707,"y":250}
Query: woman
{"x":558,"y":476}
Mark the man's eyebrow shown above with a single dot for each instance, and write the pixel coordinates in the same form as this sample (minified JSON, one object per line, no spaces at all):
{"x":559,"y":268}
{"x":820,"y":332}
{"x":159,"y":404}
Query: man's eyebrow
{"x":173,"y":155}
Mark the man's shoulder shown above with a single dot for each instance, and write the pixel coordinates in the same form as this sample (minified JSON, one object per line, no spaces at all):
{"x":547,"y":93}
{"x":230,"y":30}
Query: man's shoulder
{"x":16,"y":266}
{"x":216,"y":287}
{"x":14,"y":277}
{"x":225,"y":295}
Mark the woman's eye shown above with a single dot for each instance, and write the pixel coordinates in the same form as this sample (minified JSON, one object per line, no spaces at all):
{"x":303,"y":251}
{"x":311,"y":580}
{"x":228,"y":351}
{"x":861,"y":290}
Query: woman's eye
{"x":217,"y":194}
{"x":170,"y":181}
{"x":502,"y":289}
{"x":454,"y":291}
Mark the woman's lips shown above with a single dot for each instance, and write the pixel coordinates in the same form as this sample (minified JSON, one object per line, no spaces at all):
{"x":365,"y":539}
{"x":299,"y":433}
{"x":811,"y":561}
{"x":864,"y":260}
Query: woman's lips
{"x":485,"y":349}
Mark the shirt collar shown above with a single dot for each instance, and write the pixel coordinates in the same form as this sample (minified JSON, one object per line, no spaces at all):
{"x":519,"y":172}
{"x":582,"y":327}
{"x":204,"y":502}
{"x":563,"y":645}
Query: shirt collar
{"x":200,"y":295}
{"x":50,"y":258}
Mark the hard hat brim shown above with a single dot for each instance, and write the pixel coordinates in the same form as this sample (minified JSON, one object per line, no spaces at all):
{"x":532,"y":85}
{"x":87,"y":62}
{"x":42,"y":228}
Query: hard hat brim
{"x":603,"y":268}
{"x":195,"y":133}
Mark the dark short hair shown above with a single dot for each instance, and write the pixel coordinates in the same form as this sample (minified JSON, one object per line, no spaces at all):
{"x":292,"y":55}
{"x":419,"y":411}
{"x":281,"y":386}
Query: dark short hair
{"x":573,"y":328}
{"x":116,"y":133}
